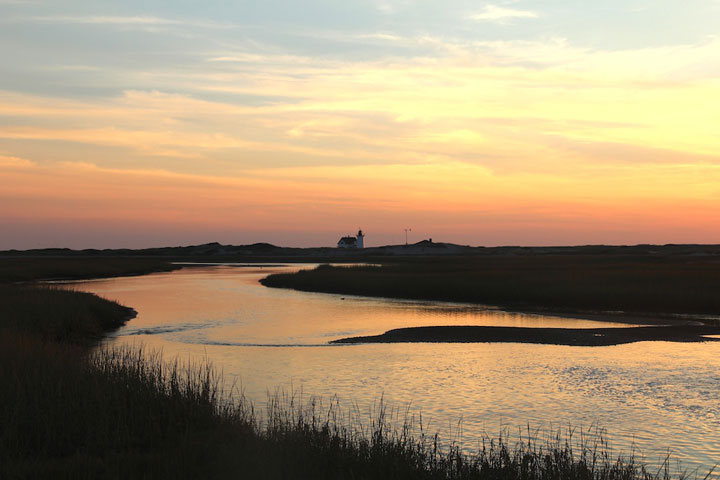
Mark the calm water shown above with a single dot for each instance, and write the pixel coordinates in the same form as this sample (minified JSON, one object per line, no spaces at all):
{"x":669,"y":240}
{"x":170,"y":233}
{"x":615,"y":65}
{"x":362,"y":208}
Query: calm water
{"x":651,"y":397}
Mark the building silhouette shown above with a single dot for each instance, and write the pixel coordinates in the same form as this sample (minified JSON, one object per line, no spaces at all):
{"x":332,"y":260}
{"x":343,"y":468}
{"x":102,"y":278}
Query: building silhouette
{"x":357,"y":241}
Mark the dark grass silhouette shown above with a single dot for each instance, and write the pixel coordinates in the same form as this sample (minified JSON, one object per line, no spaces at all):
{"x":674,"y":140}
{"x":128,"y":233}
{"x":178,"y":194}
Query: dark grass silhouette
{"x":120,"y":413}
{"x":54,"y":314}
{"x":632,"y":284}
{"x":28,"y":269}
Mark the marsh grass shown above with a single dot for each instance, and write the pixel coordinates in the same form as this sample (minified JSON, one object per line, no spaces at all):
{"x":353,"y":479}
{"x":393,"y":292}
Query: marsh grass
{"x":114,"y":414}
{"x":28,"y":269}
{"x":643,"y":284}
{"x":58,"y":314}
{"x":124,"y":413}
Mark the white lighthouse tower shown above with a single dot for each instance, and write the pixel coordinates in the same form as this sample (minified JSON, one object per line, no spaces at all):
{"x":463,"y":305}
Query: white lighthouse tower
{"x":360,"y":239}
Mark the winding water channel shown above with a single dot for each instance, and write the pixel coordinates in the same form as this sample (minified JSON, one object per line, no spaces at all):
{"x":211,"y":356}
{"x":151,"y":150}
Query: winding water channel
{"x":651,"y":397}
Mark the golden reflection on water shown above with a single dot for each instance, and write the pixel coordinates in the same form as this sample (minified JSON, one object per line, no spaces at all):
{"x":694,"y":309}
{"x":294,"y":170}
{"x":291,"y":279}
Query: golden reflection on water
{"x":651,"y":396}
{"x":227,"y":305}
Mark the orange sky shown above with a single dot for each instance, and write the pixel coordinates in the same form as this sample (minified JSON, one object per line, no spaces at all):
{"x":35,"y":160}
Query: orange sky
{"x":481,"y":141}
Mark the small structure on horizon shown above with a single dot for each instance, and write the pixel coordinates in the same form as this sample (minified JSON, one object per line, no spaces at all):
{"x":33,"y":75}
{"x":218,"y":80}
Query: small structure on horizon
{"x":353,"y":242}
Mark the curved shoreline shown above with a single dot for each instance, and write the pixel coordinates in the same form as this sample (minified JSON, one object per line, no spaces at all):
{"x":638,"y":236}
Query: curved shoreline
{"x":591,"y":337}
{"x":629,"y":318}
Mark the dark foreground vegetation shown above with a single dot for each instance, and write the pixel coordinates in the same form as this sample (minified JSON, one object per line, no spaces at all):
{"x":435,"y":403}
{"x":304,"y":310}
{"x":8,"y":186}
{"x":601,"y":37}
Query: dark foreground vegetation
{"x":648,"y":284}
{"x":116,"y":414}
{"x":70,"y":411}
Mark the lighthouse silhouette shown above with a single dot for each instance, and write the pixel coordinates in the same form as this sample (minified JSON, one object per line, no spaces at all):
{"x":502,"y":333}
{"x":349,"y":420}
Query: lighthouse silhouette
{"x":360,"y":239}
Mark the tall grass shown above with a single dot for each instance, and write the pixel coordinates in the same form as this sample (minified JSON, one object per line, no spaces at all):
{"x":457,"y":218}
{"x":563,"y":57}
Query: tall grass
{"x":121,"y":413}
{"x":115,"y":414}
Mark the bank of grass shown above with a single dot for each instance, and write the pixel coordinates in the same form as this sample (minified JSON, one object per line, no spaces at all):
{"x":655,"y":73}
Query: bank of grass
{"x":58,"y":315}
{"x":636,"y":284}
{"x":29,"y":269}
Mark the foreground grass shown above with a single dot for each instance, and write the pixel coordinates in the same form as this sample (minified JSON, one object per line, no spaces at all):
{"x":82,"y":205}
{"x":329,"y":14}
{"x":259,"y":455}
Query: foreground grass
{"x":122,"y":414}
{"x":644,"y":284}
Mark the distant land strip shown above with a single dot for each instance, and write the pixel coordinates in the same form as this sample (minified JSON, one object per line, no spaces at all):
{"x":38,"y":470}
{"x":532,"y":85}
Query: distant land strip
{"x":215,"y":251}
{"x":592,"y":337}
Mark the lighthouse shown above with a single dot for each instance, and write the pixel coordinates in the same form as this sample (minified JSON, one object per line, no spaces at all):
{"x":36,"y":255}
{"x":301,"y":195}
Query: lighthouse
{"x":352,"y":242}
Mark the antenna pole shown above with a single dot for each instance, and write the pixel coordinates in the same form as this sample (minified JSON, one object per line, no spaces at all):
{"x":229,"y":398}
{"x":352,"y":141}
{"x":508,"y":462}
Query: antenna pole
{"x":407,"y":230}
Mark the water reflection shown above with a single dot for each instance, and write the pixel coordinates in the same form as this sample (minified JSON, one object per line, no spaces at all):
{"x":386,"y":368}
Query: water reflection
{"x":226,"y":305}
{"x":650,"y":396}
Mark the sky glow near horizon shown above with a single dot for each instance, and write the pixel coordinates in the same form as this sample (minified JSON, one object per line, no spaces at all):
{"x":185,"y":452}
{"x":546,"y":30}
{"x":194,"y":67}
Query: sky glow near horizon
{"x":485,"y":123}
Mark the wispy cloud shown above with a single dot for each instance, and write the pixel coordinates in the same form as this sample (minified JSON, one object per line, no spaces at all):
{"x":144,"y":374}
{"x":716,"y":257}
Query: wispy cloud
{"x":12,"y":161}
{"x":103,"y":20}
{"x":493,"y":13}
{"x":381,"y":36}
{"x":119,"y":20}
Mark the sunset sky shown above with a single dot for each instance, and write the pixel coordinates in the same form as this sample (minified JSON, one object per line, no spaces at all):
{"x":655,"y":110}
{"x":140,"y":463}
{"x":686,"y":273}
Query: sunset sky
{"x":558,"y":122}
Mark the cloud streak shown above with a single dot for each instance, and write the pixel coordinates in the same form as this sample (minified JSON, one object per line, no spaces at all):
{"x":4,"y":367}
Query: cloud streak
{"x":129,"y":21}
{"x":494,"y":13}
{"x":479,"y":103}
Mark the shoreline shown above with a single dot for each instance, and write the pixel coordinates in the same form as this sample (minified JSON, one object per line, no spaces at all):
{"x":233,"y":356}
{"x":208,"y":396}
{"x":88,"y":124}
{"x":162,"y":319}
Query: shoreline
{"x":629,"y":290}
{"x":36,"y":271}
{"x":589,"y":337}
{"x":628,"y":318}
{"x":63,"y":280}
